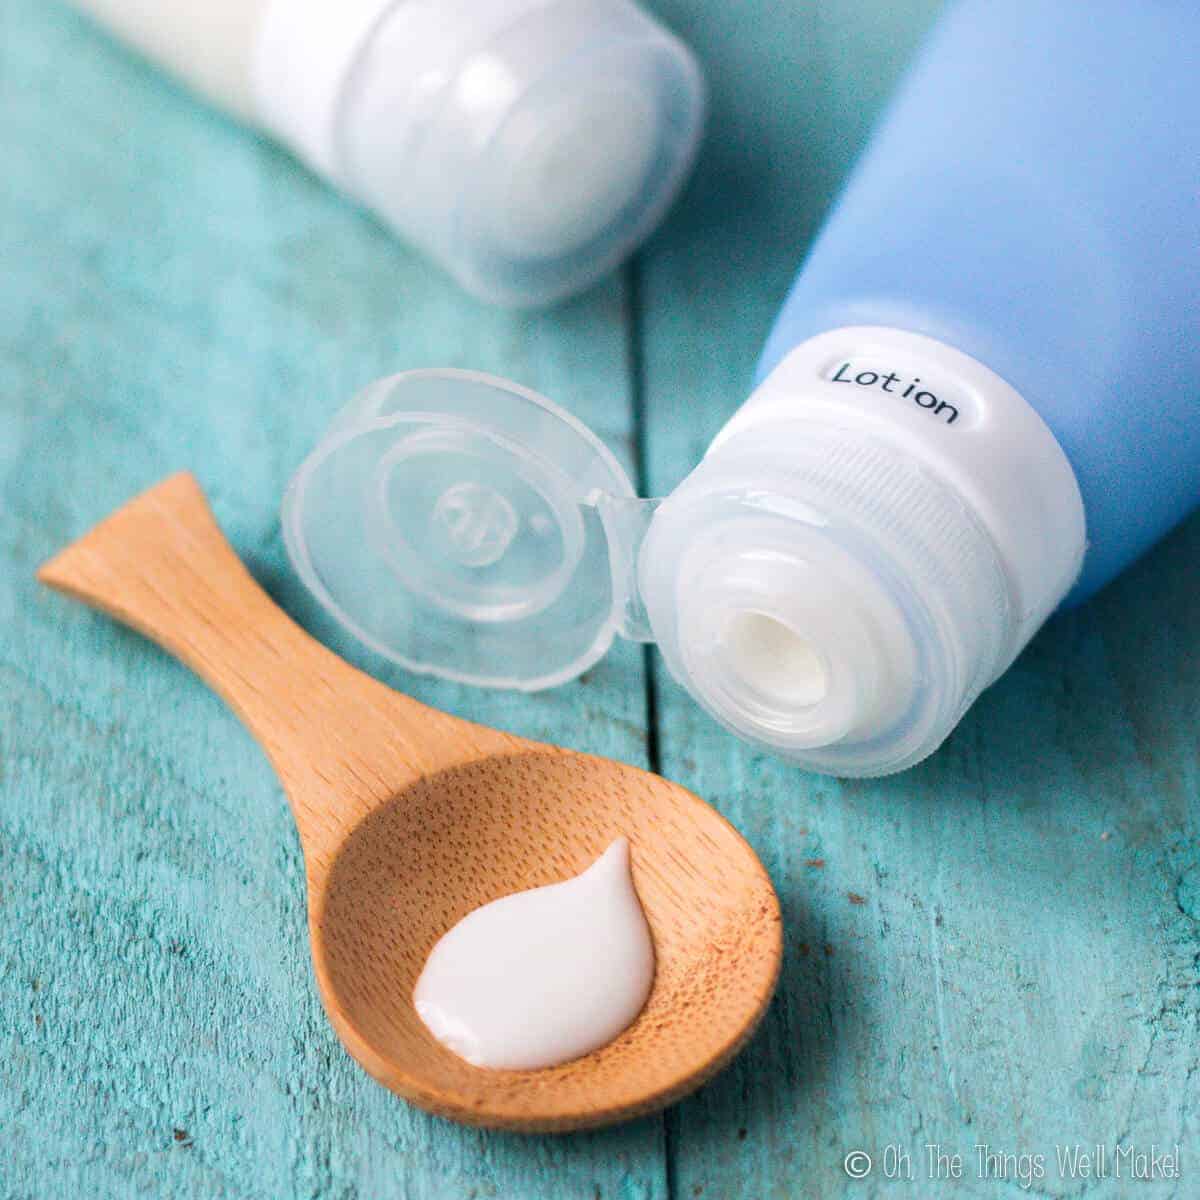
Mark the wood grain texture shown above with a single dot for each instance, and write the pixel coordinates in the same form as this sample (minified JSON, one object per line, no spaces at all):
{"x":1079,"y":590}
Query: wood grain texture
{"x":1000,"y":946}
{"x":341,"y":742}
{"x":174,"y":293}
{"x":410,"y":818}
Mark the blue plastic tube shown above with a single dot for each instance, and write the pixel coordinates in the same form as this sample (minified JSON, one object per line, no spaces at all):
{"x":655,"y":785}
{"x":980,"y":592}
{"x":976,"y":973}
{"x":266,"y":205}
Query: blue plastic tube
{"x":1032,"y":199}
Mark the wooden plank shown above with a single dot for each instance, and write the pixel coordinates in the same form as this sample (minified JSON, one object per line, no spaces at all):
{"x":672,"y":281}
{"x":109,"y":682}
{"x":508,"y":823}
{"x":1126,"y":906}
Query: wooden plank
{"x":1000,"y":946}
{"x":176,"y":293}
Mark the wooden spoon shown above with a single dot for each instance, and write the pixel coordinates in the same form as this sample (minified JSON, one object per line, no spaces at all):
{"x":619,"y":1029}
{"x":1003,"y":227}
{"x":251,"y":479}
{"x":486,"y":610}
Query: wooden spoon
{"x":411,"y":818}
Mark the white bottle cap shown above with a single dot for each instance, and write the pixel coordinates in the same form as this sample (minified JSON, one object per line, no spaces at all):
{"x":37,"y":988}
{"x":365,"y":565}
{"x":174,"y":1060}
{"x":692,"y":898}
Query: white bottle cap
{"x":527,"y":145}
{"x":851,"y":564}
{"x":867,"y":545}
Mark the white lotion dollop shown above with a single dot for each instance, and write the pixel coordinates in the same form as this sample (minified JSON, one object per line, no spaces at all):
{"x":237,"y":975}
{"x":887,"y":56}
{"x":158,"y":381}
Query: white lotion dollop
{"x":540,"y":977}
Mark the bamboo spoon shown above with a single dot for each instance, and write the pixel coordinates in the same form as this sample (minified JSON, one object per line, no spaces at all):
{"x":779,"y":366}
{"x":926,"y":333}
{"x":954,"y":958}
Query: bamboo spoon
{"x":410,"y":818}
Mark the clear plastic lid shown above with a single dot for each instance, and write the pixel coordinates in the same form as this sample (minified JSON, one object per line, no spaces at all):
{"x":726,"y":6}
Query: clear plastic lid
{"x":455,"y":523}
{"x":837,"y":592}
{"x":528,"y":145}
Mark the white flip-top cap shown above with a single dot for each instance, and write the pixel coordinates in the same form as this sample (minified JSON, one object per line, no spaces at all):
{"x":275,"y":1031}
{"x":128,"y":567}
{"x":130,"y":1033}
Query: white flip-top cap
{"x":527,"y":145}
{"x":836,"y":581}
{"x":450,"y":521}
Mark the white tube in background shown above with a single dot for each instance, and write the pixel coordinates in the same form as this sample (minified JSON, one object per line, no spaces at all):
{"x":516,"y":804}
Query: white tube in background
{"x":526,"y":145}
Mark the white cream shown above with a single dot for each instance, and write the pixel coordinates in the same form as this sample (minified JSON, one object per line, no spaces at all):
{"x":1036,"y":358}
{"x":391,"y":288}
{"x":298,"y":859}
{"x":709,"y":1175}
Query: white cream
{"x":540,"y":977}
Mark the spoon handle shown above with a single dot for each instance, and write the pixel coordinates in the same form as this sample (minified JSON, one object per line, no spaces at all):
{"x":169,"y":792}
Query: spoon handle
{"x":338,"y":739}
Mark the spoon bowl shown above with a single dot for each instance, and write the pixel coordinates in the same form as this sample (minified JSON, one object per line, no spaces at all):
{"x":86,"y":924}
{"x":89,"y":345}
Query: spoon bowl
{"x":410,"y":819}
{"x":460,"y":839}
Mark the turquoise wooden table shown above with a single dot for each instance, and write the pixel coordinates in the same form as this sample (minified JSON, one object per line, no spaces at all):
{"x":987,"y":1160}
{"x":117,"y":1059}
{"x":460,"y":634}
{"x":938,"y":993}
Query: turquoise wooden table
{"x":998,"y":948}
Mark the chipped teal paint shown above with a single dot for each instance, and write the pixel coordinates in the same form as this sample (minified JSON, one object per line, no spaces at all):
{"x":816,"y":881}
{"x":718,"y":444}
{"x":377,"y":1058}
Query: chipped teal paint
{"x":1023,"y":967}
